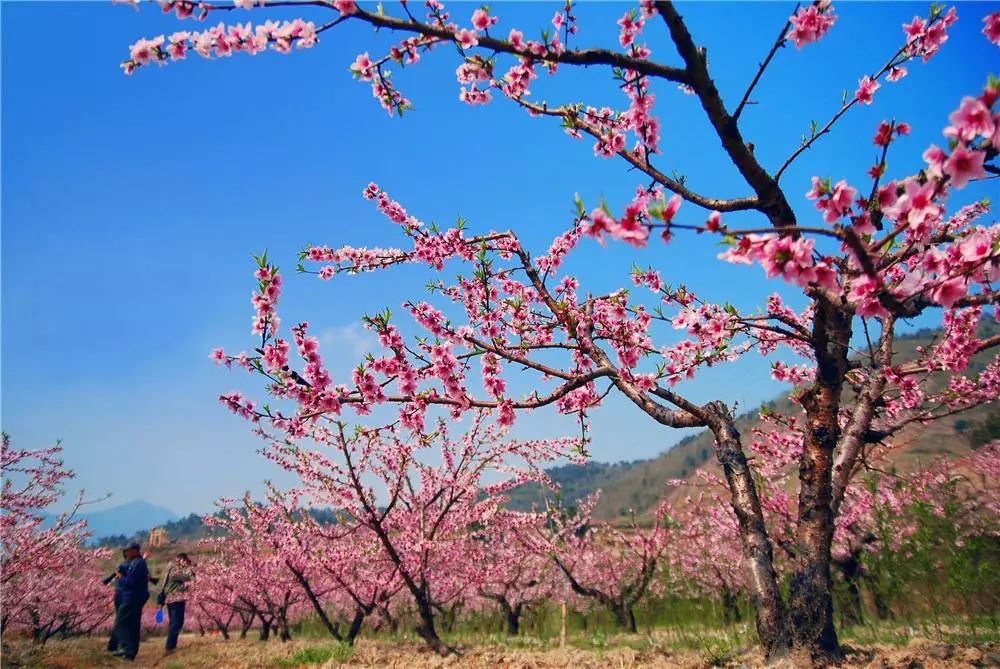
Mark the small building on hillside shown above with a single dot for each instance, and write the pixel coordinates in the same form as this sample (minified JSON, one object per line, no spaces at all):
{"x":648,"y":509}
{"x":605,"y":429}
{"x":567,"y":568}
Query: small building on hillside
{"x":158,"y":537}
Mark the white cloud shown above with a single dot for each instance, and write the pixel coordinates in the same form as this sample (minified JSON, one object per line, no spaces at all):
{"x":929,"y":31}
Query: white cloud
{"x":347,"y":344}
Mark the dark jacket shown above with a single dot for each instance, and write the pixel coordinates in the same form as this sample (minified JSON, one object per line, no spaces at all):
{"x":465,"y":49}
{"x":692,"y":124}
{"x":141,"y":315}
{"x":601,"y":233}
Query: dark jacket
{"x":122,"y":570}
{"x":135,"y":583}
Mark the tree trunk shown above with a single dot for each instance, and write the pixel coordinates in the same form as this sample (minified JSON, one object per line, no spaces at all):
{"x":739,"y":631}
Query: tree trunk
{"x":356,"y":622}
{"x":512,"y":615}
{"x":624,"y":616}
{"x":425,"y":629}
{"x":389,"y":619}
{"x":314,"y":600}
{"x":881,"y":602}
{"x":811,"y":591}
{"x":765,"y":596}
{"x":265,"y":629}
{"x":247,"y":623}
{"x":284,"y":633}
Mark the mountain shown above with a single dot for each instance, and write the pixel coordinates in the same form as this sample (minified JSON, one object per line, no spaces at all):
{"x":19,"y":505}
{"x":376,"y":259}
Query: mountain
{"x":126,"y":519}
{"x":638,"y":485}
{"x":187,"y":529}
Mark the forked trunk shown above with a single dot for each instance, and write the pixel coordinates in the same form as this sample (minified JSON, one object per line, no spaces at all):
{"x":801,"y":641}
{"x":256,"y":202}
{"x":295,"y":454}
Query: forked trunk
{"x":512,"y":616}
{"x":314,"y":600}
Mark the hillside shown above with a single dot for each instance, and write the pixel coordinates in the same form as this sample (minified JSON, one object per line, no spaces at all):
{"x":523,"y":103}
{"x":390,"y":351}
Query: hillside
{"x":187,"y":529}
{"x":638,"y":485}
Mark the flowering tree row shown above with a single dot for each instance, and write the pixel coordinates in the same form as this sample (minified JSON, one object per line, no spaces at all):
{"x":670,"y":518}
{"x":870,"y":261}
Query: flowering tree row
{"x":50,"y":580}
{"x":877,"y":248}
{"x":275,"y":564}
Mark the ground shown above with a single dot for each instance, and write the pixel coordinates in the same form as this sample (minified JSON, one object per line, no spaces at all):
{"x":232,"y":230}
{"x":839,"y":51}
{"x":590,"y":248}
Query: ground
{"x":630,"y":652}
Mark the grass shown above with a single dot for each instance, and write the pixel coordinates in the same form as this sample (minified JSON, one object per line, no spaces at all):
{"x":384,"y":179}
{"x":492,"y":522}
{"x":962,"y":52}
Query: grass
{"x":899,"y":643}
{"x":312,"y":655}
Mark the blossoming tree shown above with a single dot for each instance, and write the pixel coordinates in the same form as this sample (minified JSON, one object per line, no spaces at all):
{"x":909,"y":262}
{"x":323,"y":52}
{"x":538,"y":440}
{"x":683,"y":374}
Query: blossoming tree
{"x":869,"y":256}
{"x":427,"y":519}
{"x":51,"y":582}
{"x":614,"y":566}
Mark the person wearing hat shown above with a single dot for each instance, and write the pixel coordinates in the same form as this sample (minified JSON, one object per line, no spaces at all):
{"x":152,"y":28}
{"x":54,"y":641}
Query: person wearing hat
{"x":134,"y":595}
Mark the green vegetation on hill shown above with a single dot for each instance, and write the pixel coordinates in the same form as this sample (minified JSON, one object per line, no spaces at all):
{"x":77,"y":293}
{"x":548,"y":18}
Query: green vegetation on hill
{"x":192,"y":528}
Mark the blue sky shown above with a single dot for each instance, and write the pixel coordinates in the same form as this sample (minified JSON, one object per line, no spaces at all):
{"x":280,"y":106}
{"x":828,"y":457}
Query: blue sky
{"x":131,"y":207}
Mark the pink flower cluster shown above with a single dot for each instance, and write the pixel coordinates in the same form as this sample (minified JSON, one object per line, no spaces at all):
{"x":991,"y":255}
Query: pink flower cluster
{"x":925,"y":37}
{"x":992,"y":27}
{"x":810,"y":24}
{"x":785,"y":256}
{"x":834,"y":201}
{"x":222,"y":41}
{"x":265,"y":300}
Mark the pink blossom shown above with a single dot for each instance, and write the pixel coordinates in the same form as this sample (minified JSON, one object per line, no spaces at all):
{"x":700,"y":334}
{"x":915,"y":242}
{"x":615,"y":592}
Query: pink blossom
{"x":145,"y":51}
{"x":516,"y":39}
{"x":976,"y":247}
{"x":714,"y":222}
{"x":963,"y":165}
{"x":362,"y":67}
{"x":866,"y":90}
{"x":934,"y":156}
{"x":600,"y":222}
{"x":345,"y":6}
{"x":992,"y":27}
{"x":466,"y":39}
{"x":810,"y":24}
{"x":630,"y":27}
{"x":950,"y":292}
{"x":482,"y":20}
{"x":971,"y":119}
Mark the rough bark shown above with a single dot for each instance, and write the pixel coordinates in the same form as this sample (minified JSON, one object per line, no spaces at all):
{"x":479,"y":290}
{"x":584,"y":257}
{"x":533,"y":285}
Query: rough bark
{"x":765,"y":596}
{"x":426,"y":629}
{"x":810,"y":593}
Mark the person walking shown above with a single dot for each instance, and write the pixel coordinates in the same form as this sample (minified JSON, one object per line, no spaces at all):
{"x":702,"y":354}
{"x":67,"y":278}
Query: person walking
{"x":174,"y":596}
{"x":135,"y":594}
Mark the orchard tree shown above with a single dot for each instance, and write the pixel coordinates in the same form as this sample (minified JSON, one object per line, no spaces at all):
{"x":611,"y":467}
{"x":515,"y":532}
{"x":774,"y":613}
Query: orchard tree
{"x":513,"y":574}
{"x":426,"y":518}
{"x":614,"y":566}
{"x":51,"y":582}
{"x":345,"y":558}
{"x":870,"y":256}
{"x":250,"y":571}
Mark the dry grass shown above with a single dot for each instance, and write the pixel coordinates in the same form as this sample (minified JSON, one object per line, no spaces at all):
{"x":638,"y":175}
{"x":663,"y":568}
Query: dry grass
{"x":214,"y":653}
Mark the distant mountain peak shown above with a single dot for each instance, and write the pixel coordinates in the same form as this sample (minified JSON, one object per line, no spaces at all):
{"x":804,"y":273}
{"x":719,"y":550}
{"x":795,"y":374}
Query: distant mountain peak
{"x":127,"y":519}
